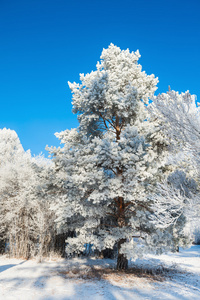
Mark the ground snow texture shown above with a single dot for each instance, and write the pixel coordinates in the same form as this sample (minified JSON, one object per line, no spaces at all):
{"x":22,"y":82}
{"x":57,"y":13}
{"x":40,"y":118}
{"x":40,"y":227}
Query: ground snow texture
{"x":60,"y":279}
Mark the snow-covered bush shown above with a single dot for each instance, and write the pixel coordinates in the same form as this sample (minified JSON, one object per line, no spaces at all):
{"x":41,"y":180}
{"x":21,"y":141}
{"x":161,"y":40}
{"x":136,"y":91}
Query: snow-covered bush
{"x":196,"y":233}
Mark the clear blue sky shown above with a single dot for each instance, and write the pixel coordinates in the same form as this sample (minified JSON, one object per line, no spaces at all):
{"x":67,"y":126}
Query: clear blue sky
{"x":45,"y":43}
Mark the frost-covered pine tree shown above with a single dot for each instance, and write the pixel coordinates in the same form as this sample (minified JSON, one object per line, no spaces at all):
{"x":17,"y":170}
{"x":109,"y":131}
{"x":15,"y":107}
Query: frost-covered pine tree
{"x":109,"y":164}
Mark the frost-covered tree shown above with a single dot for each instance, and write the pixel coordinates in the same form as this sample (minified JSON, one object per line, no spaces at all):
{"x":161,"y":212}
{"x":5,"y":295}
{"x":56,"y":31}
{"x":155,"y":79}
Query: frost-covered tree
{"x":25,"y":218}
{"x":179,"y":119}
{"x":177,"y":197}
{"x":49,"y":192}
{"x":110,"y":163}
{"x":178,"y":116}
{"x":12,"y":157}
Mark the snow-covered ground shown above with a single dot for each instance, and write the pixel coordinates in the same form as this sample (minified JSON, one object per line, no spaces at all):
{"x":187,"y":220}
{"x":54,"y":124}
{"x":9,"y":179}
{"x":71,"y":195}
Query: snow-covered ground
{"x":61,"y":279}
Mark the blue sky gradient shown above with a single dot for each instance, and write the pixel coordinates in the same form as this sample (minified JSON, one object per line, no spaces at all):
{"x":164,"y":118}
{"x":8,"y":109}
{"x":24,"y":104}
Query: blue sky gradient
{"x":45,"y":43}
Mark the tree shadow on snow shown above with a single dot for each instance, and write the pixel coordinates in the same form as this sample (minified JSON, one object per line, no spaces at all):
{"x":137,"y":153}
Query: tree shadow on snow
{"x":6,"y":267}
{"x":97,"y":280}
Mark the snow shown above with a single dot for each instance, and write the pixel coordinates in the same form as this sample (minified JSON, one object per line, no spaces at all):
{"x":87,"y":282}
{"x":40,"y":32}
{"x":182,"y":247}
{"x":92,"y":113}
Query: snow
{"x":51,"y":280}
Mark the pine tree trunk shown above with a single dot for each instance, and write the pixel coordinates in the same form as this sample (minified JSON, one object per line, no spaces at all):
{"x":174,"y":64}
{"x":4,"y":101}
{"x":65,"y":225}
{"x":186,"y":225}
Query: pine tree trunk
{"x":122,"y":261}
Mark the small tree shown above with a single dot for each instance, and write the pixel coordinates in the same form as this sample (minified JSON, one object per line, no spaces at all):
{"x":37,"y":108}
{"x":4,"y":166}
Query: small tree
{"x":109,"y":162}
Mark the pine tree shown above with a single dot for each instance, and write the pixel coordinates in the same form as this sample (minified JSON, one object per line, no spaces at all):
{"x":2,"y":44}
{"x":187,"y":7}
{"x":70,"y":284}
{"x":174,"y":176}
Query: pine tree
{"x":110,"y":163}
